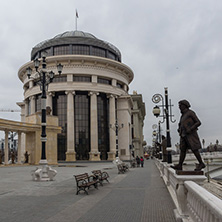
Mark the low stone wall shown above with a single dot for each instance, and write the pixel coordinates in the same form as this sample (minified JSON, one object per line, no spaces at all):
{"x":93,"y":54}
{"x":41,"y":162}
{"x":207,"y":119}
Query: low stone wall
{"x":202,"y":205}
{"x":207,"y":155}
{"x":193,"y":202}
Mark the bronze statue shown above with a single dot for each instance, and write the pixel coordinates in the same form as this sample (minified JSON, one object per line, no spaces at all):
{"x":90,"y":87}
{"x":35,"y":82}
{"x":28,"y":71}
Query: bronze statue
{"x":1,"y":156}
{"x":12,"y":154}
{"x":26,"y":157}
{"x":163,"y":144}
{"x":48,"y":110}
{"x":189,"y":138}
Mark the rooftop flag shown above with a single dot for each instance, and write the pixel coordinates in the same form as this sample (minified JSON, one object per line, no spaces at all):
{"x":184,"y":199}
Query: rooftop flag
{"x":77,"y":16}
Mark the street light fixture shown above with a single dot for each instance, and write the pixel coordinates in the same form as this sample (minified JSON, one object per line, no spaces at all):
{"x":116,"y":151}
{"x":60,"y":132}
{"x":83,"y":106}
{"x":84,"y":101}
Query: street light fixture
{"x":116,"y":127}
{"x":166,"y":115}
{"x":43,"y":77}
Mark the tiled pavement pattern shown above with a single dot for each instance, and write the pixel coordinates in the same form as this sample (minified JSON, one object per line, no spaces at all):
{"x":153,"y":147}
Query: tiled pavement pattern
{"x":138,"y":195}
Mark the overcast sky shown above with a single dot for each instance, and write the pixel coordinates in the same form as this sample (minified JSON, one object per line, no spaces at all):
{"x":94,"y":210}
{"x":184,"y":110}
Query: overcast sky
{"x":167,"y":43}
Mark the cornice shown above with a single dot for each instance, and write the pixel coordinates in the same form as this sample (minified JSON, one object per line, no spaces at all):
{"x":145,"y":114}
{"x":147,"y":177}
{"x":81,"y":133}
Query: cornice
{"x":81,"y":61}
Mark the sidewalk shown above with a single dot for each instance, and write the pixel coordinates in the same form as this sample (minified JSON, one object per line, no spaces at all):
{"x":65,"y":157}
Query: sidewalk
{"x":138,"y":195}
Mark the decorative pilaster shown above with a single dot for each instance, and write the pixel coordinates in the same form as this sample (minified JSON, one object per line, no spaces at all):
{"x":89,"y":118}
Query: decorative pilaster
{"x":112,"y":134}
{"x":26,"y":107}
{"x":6,"y":147}
{"x":19,"y":147}
{"x":49,"y":99}
{"x":31,"y":84}
{"x":94,"y":154}
{"x":70,"y":154}
{"x":32,"y":101}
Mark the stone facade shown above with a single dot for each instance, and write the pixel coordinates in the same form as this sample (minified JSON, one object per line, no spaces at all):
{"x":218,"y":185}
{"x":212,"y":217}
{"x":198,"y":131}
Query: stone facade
{"x":33,"y":142}
{"x":107,"y":93}
{"x":138,"y":115}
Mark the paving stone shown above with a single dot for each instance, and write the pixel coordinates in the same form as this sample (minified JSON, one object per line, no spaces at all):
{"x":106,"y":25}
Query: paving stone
{"x":138,"y":195}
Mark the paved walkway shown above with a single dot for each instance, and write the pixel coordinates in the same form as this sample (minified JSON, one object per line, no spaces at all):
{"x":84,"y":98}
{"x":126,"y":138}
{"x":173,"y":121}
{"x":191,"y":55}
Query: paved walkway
{"x":138,"y":195}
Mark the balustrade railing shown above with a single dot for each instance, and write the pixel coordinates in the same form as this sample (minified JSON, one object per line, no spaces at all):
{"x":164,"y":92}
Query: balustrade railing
{"x":193,"y":202}
{"x":202,"y":206}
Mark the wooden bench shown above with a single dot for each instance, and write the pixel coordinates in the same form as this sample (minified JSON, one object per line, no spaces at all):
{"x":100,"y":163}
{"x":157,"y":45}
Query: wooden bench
{"x":122,"y":168}
{"x":84,"y":181}
{"x":133,"y":163}
{"x":101,"y":176}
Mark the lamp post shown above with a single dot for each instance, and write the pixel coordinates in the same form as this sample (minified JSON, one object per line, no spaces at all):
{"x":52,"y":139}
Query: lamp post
{"x":167,"y":115}
{"x":116,"y":127}
{"x":43,"y":77}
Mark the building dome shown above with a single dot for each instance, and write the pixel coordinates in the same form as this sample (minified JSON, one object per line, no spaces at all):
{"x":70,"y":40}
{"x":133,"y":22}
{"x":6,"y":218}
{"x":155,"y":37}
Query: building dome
{"x":77,"y":43}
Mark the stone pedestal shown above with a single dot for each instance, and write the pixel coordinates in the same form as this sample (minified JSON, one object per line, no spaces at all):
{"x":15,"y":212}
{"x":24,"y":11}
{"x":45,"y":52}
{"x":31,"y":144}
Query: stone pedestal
{"x":181,"y":192}
{"x":111,"y":156}
{"x":33,"y":139}
{"x":189,"y":172}
{"x":70,"y":156}
{"x":94,"y":156}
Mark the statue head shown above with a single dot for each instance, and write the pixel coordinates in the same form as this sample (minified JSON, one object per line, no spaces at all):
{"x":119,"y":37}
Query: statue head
{"x":48,"y":110}
{"x":185,"y":103}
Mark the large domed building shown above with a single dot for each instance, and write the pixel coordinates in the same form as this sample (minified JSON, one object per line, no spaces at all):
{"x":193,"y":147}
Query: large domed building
{"x":89,"y":97}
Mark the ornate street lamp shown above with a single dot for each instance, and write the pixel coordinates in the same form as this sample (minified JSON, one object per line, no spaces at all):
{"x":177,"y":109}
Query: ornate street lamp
{"x":166,"y":115}
{"x":43,"y":77}
{"x":116,"y":127}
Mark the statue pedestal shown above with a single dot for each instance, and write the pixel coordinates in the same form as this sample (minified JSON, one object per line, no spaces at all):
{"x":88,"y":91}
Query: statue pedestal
{"x":189,"y":172}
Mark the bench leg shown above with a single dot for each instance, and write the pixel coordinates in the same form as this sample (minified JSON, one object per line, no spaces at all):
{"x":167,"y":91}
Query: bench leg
{"x":78,"y":190}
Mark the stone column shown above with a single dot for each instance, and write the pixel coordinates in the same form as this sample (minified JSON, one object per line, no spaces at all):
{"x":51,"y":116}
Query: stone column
{"x":6,"y":147}
{"x":26,"y":107}
{"x":31,"y":84}
{"x":49,"y":100}
{"x":70,"y":154}
{"x":94,"y":155}
{"x":112,"y":134}
{"x":19,"y":154}
{"x":32,"y":100}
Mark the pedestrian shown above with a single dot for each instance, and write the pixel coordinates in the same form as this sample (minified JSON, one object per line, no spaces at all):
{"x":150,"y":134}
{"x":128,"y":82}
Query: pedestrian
{"x":141,"y":161}
{"x":138,"y":161}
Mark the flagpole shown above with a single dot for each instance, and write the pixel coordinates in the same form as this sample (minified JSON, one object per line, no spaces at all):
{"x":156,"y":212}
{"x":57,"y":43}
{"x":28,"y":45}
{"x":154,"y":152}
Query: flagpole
{"x":77,"y":16}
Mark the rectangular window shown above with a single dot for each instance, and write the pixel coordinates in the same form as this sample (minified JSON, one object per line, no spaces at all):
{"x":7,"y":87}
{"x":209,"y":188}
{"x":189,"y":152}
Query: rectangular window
{"x":98,"y":52}
{"x":82,"y":125}
{"x":80,"y":50}
{"x":119,"y":85}
{"x":61,"y":50}
{"x":81,"y":78}
{"x":104,"y":81}
{"x":38,"y":103}
{"x":60,"y":79}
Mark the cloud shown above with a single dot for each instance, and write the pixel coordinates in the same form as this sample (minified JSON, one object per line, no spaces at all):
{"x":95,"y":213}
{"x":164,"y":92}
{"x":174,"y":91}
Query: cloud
{"x":167,"y":43}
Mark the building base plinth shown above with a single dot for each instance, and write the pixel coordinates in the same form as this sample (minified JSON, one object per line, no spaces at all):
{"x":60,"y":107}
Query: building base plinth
{"x":94,"y":156}
{"x":111,"y":156}
{"x":70,"y":156}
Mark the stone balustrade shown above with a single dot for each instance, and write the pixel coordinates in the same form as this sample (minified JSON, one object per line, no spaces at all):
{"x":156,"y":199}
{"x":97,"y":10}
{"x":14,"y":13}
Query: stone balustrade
{"x":193,"y":202}
{"x":207,"y":155}
{"x":202,"y":205}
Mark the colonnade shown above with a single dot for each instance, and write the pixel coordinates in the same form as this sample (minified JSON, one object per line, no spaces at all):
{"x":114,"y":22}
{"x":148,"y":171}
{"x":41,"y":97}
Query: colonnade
{"x":94,"y":154}
{"x":6,"y":147}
